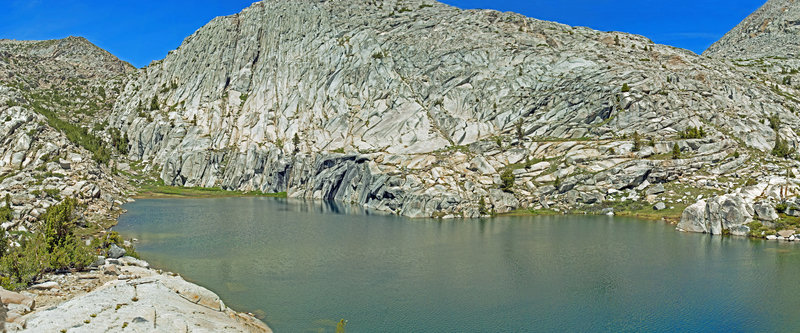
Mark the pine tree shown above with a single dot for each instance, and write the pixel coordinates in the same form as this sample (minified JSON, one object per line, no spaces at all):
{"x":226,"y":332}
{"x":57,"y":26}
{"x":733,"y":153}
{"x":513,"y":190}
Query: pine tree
{"x":676,"y":151}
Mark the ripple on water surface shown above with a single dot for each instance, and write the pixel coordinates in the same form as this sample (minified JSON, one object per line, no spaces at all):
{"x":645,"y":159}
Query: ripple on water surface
{"x":303,"y":266}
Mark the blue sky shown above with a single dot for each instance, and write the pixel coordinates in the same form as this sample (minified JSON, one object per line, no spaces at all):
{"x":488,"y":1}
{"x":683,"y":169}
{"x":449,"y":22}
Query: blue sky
{"x":142,"y":31}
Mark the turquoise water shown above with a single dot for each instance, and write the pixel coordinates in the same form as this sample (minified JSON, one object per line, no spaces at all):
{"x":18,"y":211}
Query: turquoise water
{"x":303,"y":266}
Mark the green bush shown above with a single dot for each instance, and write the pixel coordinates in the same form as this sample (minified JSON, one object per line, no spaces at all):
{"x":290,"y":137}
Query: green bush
{"x":676,"y":151}
{"x":482,"y":206}
{"x":507,"y":179}
{"x":99,"y":245}
{"x":781,"y":207}
{"x":774,"y":122}
{"x":626,"y":87}
{"x":54,"y":247}
{"x":58,"y":222}
{"x":154,"y":103}
{"x":118,"y":140}
{"x":75,"y":134}
{"x":692,"y":132}
{"x":22,"y":265}
{"x":637,"y":141}
{"x":781,"y":148}
{"x":6,"y":212}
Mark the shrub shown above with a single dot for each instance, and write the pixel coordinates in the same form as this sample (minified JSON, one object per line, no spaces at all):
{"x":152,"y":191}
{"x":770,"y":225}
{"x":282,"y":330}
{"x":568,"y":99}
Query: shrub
{"x":676,"y":151}
{"x":519,"y":130}
{"x":692,"y":132}
{"x":58,"y":223}
{"x":781,"y":207}
{"x":482,"y":206}
{"x":75,"y":134}
{"x":23,"y":264}
{"x":118,"y":140}
{"x":637,"y":141}
{"x":53,"y":248}
{"x":6,"y":212}
{"x":625,"y":87}
{"x":781,"y":148}
{"x":774,"y":121}
{"x":507,"y":179}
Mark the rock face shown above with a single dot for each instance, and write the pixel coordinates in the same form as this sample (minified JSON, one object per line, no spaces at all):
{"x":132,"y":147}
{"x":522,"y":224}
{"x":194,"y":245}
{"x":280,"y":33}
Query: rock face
{"x":45,"y":84}
{"x":771,"y":31}
{"x":139,"y":300}
{"x":727,"y":212}
{"x":418,"y":108}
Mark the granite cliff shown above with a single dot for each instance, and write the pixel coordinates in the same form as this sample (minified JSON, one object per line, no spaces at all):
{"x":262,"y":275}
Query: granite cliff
{"x":422,"y":109}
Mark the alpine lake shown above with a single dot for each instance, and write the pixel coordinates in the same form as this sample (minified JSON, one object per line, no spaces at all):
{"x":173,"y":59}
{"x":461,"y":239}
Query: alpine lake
{"x":302,"y":266}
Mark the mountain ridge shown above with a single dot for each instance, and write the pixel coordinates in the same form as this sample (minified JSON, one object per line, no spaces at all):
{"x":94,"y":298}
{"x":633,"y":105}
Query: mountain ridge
{"x":771,"y":31}
{"x":432,"y":104}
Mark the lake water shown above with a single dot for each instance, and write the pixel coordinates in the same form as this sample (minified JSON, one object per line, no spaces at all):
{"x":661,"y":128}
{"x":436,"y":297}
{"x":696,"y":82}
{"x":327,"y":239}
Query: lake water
{"x":303,"y":266}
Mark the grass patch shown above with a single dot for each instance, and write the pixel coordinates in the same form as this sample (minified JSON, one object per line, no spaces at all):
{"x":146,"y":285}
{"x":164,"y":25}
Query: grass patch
{"x":531,"y":212}
{"x":163,"y":191}
{"x":641,"y":210}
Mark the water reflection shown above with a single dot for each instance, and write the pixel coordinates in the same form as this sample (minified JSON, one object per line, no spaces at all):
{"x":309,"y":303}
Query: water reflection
{"x":307,"y":264}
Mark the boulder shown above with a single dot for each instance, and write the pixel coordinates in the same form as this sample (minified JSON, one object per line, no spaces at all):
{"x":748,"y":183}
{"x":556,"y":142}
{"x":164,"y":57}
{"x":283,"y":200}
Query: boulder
{"x":765,"y":211}
{"x":727,"y":212}
{"x":655,"y":189}
{"x":100,"y":261}
{"x":111,"y":269}
{"x":10,"y":297}
{"x":660,"y":206}
{"x":131,"y":261}
{"x":115,"y":251}
{"x":693,"y":218}
{"x":46,"y":285}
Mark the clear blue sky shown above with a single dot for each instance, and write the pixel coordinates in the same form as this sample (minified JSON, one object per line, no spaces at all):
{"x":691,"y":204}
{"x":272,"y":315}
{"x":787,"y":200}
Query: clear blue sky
{"x":142,"y":31}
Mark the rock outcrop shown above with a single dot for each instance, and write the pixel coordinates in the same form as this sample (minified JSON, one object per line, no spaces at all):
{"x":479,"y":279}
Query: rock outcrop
{"x":771,"y":31}
{"x":136,"y":299}
{"x":50,"y":90}
{"x":418,"y":108}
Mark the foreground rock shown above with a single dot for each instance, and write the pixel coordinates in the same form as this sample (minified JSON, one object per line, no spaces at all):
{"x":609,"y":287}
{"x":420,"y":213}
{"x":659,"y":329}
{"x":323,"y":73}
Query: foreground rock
{"x":136,"y":300}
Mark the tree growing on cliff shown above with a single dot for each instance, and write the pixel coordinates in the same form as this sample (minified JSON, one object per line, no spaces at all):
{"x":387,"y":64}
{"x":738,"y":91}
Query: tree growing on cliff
{"x":781,"y":148}
{"x":154,"y":103}
{"x":507,"y":180}
{"x":637,"y":141}
{"x":6,"y":212}
{"x":296,"y":143}
{"x":676,"y":151}
{"x":520,"y":132}
{"x":482,"y":206}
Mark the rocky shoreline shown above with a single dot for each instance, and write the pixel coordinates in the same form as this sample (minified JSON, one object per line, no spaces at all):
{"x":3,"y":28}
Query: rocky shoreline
{"x":122,"y":294}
